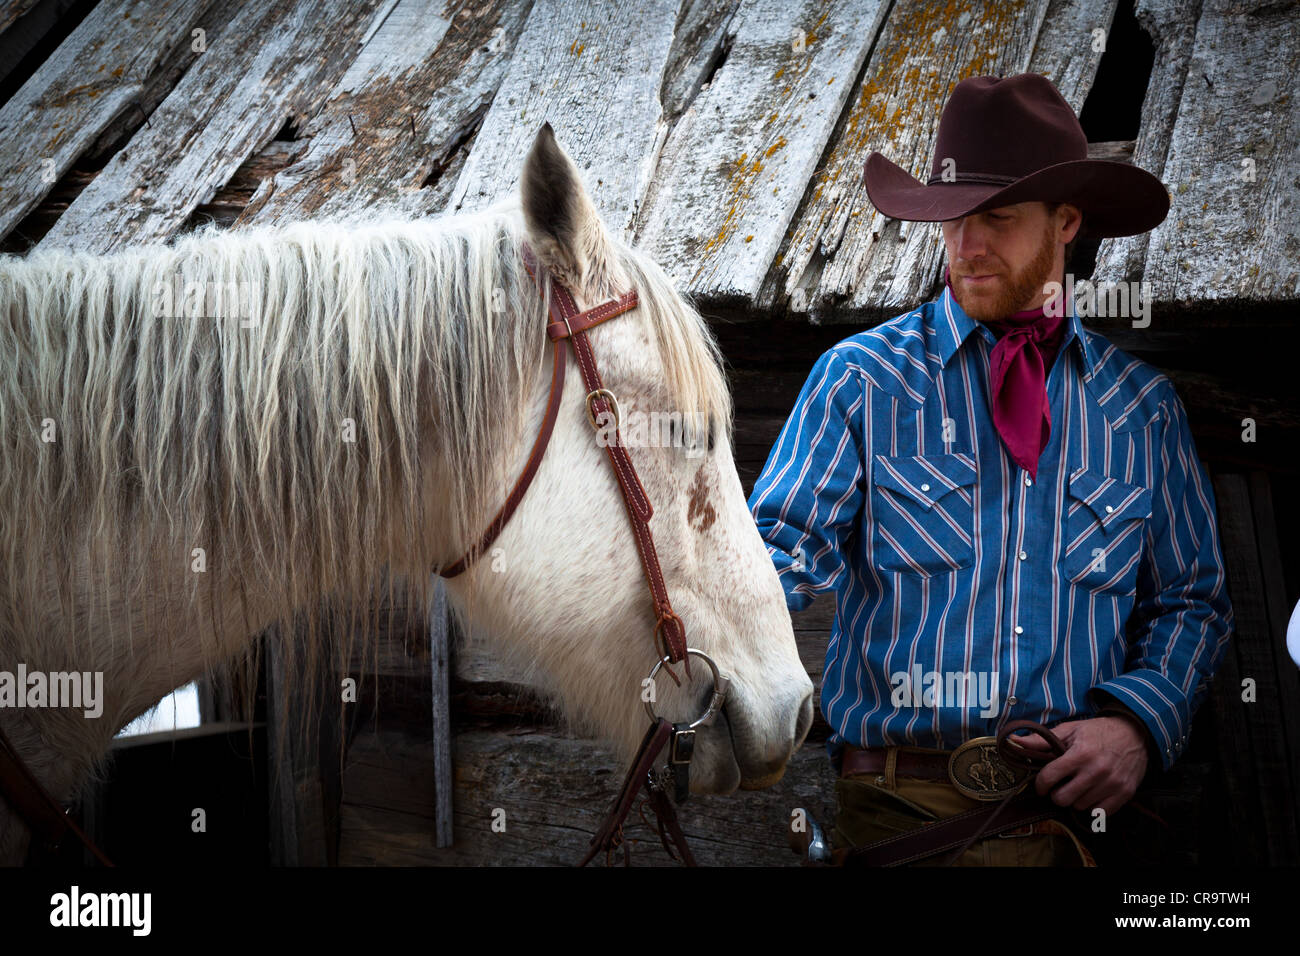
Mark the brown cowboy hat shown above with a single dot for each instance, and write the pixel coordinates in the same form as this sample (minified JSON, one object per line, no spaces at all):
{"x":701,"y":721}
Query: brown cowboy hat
{"x":1005,"y":141}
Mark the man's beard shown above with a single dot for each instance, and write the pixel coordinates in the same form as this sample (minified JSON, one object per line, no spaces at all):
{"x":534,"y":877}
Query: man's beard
{"x":1008,"y":293}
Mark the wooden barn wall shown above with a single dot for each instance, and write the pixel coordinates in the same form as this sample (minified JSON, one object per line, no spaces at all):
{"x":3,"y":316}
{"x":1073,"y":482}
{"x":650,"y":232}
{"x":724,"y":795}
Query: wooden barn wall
{"x":726,"y":138}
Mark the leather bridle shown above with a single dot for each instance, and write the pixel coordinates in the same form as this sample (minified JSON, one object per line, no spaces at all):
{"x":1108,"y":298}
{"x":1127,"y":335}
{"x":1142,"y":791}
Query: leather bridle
{"x":568,"y":323}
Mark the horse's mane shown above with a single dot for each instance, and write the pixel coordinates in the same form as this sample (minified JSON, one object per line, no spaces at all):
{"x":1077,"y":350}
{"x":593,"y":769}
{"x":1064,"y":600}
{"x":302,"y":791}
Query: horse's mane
{"x":227,"y":429}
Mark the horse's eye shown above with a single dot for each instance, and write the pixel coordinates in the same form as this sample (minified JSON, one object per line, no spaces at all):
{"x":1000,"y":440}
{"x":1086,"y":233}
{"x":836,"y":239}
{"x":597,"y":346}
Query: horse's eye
{"x":689,"y":434}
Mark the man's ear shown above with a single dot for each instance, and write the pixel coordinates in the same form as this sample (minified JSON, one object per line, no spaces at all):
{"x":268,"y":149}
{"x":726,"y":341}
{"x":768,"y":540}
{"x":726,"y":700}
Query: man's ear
{"x":1072,"y":221}
{"x":563,"y":226}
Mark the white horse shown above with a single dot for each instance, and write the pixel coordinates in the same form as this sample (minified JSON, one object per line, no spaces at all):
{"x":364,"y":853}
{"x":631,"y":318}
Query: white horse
{"x":326,"y":405}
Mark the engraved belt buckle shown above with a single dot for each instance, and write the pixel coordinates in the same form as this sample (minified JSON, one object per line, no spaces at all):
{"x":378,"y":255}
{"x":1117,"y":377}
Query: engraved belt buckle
{"x":977,"y":770}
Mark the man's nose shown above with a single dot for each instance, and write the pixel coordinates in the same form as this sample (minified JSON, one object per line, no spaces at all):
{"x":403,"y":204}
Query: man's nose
{"x":970,"y":238}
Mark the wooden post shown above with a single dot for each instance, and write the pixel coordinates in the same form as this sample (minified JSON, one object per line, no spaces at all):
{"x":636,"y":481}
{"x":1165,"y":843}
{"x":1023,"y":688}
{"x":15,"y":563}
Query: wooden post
{"x":297,"y":822}
{"x":440,"y":662}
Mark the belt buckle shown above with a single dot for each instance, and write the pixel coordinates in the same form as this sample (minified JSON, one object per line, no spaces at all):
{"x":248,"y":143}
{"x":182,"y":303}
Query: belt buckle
{"x":978,"y":771}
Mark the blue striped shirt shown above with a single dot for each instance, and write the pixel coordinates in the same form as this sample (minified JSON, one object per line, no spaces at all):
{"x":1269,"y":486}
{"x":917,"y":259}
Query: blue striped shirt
{"x":890,"y":486}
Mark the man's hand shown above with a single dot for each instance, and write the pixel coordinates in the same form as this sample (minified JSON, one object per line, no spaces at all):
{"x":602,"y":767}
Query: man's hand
{"x":1104,"y":761}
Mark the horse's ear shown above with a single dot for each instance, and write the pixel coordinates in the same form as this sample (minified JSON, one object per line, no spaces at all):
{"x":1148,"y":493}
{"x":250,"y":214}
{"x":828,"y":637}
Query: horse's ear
{"x":564,"y":228}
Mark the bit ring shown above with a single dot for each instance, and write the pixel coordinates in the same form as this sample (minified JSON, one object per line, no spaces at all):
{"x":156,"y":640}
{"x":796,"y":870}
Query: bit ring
{"x":720,"y":686}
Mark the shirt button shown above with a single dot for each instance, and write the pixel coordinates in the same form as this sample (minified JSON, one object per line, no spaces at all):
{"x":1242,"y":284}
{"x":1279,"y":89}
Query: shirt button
{"x":1023,"y":555}
{"x":1019,"y":629}
{"x":1028,"y":480}
{"x":1109,"y":509}
{"x":1011,"y":700}
{"x":925,"y":487}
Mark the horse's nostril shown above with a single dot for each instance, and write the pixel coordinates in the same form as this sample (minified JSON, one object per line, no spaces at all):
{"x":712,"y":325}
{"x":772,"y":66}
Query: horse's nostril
{"x":804,"y":723}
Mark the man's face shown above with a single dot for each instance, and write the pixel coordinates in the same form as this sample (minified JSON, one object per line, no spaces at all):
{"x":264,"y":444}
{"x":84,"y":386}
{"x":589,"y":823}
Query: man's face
{"x":1000,"y":260}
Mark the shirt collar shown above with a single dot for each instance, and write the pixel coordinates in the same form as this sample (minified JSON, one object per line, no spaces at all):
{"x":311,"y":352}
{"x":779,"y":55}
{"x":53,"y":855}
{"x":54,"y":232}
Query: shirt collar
{"x":952,"y":325}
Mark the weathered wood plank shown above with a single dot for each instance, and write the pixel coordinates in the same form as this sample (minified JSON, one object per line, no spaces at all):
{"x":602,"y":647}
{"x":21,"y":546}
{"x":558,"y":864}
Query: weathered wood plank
{"x":550,"y":793}
{"x":701,"y":42}
{"x":582,"y":66}
{"x":216,"y":16}
{"x":1232,"y":236}
{"x":1171,"y":24}
{"x":840,"y":250}
{"x":1066,"y":51}
{"x":96,"y":73}
{"x":735,"y":167}
{"x":414,"y":97}
{"x":269,"y":63}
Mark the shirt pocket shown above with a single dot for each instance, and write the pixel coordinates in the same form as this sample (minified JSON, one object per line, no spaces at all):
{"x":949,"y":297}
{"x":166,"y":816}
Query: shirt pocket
{"x":923,"y":513}
{"x":1104,"y":529}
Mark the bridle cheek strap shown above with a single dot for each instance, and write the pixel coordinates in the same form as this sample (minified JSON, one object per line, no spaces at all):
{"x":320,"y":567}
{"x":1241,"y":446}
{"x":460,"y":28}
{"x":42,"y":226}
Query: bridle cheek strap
{"x":525,"y":476}
{"x":567,"y":322}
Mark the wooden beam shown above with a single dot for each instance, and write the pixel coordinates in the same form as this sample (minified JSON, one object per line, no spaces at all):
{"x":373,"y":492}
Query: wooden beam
{"x":1066,"y":51}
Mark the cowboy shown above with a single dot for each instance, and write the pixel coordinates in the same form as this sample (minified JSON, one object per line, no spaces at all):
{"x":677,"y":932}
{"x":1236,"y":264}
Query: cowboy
{"x":1000,"y":499}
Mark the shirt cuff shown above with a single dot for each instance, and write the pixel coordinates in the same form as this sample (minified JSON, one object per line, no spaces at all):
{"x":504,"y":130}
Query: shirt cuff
{"x":1157,"y":702}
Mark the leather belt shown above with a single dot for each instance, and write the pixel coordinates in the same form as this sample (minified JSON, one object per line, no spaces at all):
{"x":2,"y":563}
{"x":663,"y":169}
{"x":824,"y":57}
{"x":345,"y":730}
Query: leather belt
{"x":931,"y":766}
{"x":978,"y":768}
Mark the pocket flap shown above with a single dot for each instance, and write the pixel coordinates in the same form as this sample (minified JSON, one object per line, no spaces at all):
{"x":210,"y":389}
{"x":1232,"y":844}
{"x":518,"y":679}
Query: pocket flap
{"x":1111,"y":500}
{"x":924,"y":478}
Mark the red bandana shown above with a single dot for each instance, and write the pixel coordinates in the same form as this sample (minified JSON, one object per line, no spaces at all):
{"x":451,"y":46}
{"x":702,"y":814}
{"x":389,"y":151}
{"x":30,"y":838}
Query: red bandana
{"x":1027,"y":342}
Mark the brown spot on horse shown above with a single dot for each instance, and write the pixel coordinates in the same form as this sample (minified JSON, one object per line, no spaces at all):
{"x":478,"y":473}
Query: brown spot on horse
{"x":700,"y":511}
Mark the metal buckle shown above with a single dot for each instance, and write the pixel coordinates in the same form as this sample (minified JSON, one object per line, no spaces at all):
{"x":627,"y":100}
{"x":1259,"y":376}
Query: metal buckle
{"x":591,"y":415}
{"x":977,"y":769}
{"x":720,"y":686}
{"x":683,"y":747}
